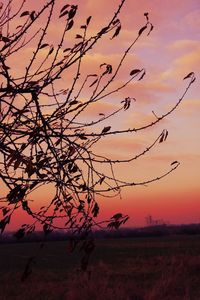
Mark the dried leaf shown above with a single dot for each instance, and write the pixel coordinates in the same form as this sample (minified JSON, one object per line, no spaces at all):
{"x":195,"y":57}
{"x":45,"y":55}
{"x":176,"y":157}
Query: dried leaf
{"x":117,"y":216}
{"x":151,"y":28}
{"x":17,"y":163}
{"x":147,"y":16}
{"x":174,"y":162}
{"x":70,"y":25}
{"x":51,"y":50}
{"x":73,"y":102}
{"x":134,"y":72}
{"x":72,"y":12}
{"x":101,"y":180}
{"x":83,"y":27}
{"x":142,"y":29}
{"x":25,"y":13}
{"x":66,"y":49}
{"x":117,"y":31}
{"x":106,"y":129}
{"x":5,"y":39}
{"x":82,"y":136}
{"x":43,"y":46}
{"x":78,"y":36}
{"x":191,"y":74}
{"x":116,"y":21}
{"x":63,"y":14}
{"x":88,"y":20}
{"x":32,"y":15}
{"x":63,"y":8}
{"x":95,"y":210}
{"x":141,"y":77}
{"x":163,"y":136}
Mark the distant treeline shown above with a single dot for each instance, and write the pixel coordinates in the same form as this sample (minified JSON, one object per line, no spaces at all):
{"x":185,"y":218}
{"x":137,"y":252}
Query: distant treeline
{"x":149,"y":231}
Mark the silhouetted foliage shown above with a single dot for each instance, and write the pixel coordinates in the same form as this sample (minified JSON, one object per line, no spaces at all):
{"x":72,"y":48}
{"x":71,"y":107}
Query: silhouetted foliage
{"x":47,"y":142}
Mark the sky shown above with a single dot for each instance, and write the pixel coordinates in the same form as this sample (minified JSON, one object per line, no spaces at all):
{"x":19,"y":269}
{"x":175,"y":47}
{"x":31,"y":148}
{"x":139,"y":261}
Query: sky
{"x":168,"y":54}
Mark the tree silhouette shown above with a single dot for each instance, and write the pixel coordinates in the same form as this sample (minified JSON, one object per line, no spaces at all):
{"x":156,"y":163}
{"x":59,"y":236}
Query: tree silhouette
{"x":44,"y":140}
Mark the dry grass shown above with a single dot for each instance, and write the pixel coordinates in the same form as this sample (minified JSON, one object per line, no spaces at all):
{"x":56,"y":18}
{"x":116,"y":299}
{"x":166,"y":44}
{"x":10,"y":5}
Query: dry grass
{"x":174,"y":275}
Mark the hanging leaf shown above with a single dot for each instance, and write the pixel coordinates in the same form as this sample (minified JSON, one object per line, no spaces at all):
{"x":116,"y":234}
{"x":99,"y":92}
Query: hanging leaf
{"x":71,"y":150}
{"x":141,"y":77}
{"x":166,"y":134}
{"x":5,"y":39}
{"x":83,"y":27}
{"x":78,"y":36}
{"x":101,"y":180}
{"x":51,"y":50}
{"x":163,"y":136}
{"x":127,"y":102}
{"x":117,"y":31}
{"x":82,"y":136}
{"x":106,"y":129}
{"x":63,"y":14}
{"x":26,"y":207}
{"x":17,"y":163}
{"x":63,"y":8}
{"x":16,"y":194}
{"x":125,"y":219}
{"x":25,"y":13}
{"x":5,"y":210}
{"x":108,"y":69}
{"x":147,"y":16}
{"x":142,"y":29}
{"x":43,"y":46}
{"x":70,"y":25}
{"x":95,"y":210}
{"x":134,"y":72}
{"x":32,"y":16}
{"x":151,"y":28}
{"x":117,"y":216}
{"x":72,"y":12}
{"x":88,"y":20}
{"x":116,"y":21}
{"x":174,"y":162}
{"x":191,"y":74}
{"x":73,"y":102}
{"x":66,"y":49}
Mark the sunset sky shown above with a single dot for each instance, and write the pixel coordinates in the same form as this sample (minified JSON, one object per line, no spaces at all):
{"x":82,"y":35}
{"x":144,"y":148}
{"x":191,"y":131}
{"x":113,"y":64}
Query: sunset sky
{"x":168,"y":54}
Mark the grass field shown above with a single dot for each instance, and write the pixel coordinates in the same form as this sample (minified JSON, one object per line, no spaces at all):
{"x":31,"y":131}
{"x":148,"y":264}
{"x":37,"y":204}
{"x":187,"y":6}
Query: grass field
{"x":160,"y":268}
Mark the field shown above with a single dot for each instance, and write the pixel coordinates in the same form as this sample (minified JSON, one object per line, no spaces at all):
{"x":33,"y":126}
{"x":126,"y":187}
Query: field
{"x":157,"y":268}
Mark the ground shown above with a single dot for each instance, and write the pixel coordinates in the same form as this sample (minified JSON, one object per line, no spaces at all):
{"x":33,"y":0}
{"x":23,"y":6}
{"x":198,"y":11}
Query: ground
{"x":156,"y":268}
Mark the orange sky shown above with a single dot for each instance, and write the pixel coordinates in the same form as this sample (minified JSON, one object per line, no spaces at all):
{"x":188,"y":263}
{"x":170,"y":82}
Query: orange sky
{"x":168,"y":54}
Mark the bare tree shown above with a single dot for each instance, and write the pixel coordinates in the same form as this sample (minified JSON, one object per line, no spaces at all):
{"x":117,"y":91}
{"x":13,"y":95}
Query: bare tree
{"x":50,"y":143}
